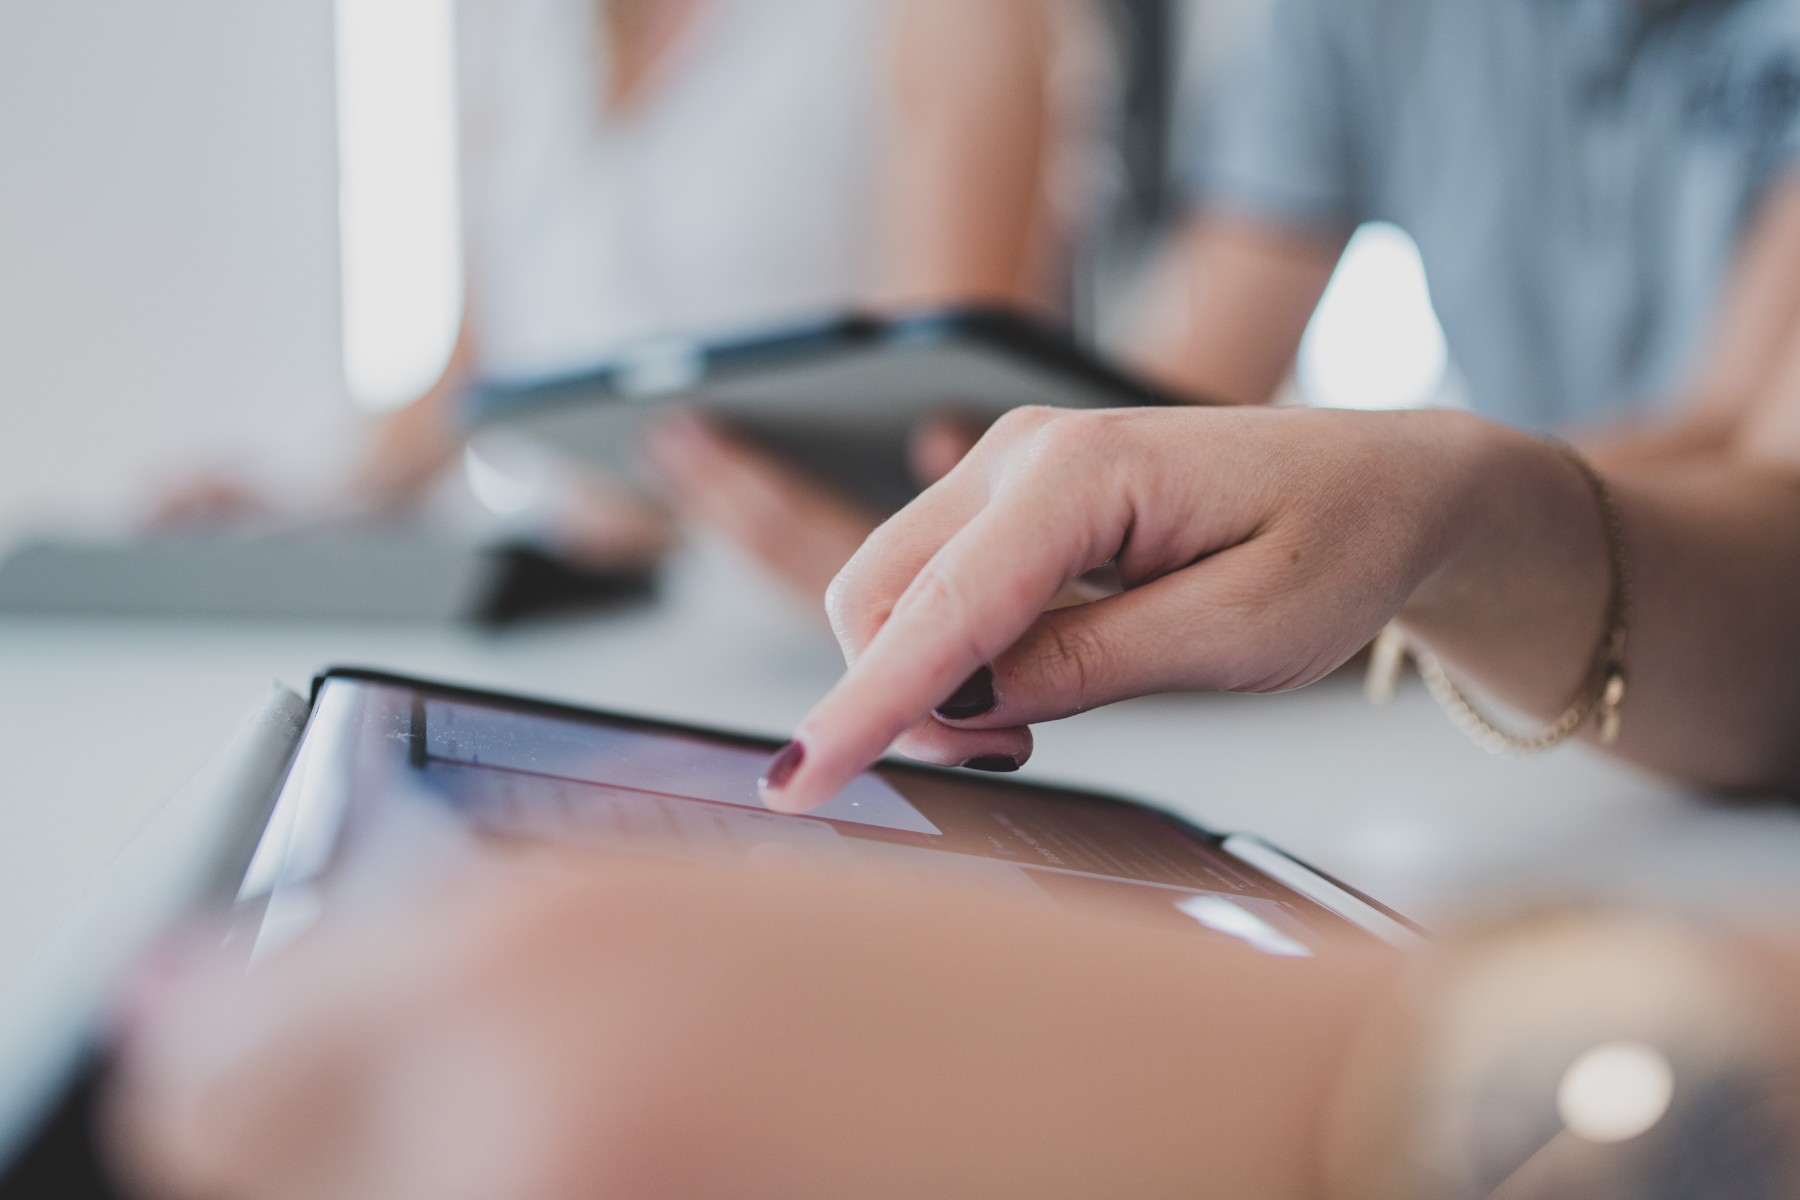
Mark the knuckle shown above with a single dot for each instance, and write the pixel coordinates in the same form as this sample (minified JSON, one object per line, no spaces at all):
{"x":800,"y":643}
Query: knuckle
{"x":1060,"y":438}
{"x":934,"y":591}
{"x":1072,"y":438}
{"x":852,"y":604}
{"x":1068,"y":664}
{"x":1018,"y":423}
{"x":937,"y":597}
{"x":846,"y":612}
{"x":1066,"y":445}
{"x":840,"y":600}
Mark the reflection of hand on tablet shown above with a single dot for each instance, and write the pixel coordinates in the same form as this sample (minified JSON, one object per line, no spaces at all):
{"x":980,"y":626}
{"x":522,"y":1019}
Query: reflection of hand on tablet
{"x":542,"y":1029}
{"x":801,"y":532}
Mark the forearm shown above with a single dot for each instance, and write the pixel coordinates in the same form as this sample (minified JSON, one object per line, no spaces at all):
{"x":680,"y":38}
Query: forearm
{"x":1711,"y":501}
{"x":1225,"y":311}
{"x":1228,"y":1067}
{"x":412,"y":444}
{"x":408,"y":448}
{"x":837,"y":1038}
{"x":963,"y":214}
{"x":1695,"y":434}
{"x":1518,"y":603}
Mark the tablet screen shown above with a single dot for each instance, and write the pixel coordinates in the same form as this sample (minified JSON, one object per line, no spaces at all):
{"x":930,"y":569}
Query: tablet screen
{"x":515,"y":770}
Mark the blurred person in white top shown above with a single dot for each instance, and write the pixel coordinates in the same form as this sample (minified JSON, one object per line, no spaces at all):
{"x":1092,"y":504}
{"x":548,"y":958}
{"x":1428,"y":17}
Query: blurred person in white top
{"x":634,"y":169}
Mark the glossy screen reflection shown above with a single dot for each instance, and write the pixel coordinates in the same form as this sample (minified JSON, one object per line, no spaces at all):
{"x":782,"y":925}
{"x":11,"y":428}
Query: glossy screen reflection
{"x":514,"y":770}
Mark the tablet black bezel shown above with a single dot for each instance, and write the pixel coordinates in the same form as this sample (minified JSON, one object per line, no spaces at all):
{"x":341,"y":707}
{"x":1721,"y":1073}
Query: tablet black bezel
{"x":1011,"y":332}
{"x":1210,"y":837}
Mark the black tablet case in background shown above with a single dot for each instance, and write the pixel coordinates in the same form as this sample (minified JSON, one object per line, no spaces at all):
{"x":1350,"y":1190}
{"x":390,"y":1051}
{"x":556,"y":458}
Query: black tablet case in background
{"x":838,"y":398}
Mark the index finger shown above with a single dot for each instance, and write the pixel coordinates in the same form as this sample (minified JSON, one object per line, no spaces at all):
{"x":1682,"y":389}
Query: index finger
{"x":972,"y":599}
{"x":867,"y":590}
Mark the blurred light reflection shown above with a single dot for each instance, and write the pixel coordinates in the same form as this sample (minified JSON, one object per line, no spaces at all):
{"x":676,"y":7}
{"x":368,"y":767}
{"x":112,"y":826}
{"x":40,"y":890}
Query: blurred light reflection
{"x":397,"y":195}
{"x":1615,"y":1092}
{"x":1375,"y":341}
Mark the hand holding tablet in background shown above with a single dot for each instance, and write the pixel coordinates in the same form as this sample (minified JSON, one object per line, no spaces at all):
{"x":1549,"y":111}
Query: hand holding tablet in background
{"x":800,"y":530}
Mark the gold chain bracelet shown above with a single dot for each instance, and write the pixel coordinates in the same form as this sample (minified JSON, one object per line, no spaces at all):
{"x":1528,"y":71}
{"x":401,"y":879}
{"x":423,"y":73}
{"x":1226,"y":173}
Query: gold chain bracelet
{"x":1602,"y":693}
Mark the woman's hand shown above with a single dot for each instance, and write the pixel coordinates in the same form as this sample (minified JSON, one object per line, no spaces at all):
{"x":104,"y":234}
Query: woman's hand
{"x":1258,"y":550}
{"x":647,"y":1031}
{"x":799,"y":531}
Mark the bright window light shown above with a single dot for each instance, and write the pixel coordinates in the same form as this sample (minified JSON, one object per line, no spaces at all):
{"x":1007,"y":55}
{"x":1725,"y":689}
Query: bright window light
{"x":399,"y":236}
{"x":1375,"y":341}
{"x":1615,"y":1092}
{"x":1234,"y":920}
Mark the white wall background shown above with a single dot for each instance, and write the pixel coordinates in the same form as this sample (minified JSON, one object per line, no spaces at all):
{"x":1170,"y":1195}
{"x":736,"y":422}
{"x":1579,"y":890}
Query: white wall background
{"x":169,"y":259}
{"x":168,"y":256}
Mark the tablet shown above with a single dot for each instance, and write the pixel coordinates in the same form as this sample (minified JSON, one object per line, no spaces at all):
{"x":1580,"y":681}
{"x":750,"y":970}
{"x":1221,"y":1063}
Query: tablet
{"x":388,"y":767}
{"x":837,"y":398}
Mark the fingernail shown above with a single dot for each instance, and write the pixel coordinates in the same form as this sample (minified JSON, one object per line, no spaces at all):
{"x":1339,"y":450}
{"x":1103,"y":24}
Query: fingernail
{"x":782,"y":767}
{"x":973,"y":699}
{"x":1000,"y":764}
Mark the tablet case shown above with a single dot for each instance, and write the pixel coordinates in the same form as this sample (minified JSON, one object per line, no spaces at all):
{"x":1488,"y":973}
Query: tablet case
{"x":837,"y":398}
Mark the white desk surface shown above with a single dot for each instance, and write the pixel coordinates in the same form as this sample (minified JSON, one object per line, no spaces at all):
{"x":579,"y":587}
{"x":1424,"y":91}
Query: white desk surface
{"x":99,"y":720}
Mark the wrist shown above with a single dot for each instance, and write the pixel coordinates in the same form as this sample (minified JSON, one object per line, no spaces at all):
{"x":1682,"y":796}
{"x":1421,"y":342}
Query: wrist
{"x":1470,"y":463}
{"x":1501,"y":520}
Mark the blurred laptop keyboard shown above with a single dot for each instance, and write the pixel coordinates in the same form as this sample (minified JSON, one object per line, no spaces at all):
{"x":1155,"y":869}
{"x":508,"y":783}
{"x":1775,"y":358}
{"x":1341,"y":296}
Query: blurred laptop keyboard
{"x":361,"y":575}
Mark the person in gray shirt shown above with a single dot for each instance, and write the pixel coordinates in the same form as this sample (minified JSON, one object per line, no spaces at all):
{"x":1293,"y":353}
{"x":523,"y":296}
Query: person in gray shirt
{"x":1605,"y":194}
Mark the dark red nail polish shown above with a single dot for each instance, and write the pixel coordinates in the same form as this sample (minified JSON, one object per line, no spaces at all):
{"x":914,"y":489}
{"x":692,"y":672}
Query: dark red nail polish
{"x":973,"y":699}
{"x":782,"y":767}
{"x":998,"y":763}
